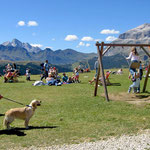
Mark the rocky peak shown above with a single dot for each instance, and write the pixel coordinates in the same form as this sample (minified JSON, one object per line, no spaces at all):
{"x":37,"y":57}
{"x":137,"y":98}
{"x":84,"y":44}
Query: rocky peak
{"x":16,"y":43}
{"x":7,"y":43}
{"x":27,"y":46}
{"x":140,"y":32}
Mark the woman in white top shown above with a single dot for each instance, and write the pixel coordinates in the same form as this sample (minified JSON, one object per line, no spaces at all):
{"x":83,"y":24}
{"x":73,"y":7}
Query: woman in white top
{"x":134,"y":56}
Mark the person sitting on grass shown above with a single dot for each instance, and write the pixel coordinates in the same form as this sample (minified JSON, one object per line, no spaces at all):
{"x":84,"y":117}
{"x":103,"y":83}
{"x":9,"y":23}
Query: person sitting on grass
{"x":136,"y":84}
{"x":8,"y":76}
{"x":15,"y":76}
{"x":52,"y":81}
{"x":8,"y":68}
{"x":70,"y":80}
{"x":53,"y":72}
{"x":11,"y":76}
{"x":64,"y":78}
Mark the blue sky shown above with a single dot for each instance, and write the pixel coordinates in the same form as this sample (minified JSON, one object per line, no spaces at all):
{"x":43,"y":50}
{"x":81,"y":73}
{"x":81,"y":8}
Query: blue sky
{"x":75,"y":24}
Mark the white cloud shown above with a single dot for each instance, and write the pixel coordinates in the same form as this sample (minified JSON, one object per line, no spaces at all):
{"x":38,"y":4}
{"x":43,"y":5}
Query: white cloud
{"x":87,"y":45}
{"x":53,"y":39}
{"x":87,"y":38}
{"x":111,"y":38}
{"x":32,"y":23}
{"x":81,"y":44}
{"x":36,"y":45}
{"x":108,"y":31}
{"x":21,"y":23}
{"x":98,"y":40}
{"x":71,"y":38}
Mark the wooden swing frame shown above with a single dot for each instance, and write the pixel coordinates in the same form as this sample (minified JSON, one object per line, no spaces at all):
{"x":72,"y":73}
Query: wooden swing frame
{"x":101,"y":52}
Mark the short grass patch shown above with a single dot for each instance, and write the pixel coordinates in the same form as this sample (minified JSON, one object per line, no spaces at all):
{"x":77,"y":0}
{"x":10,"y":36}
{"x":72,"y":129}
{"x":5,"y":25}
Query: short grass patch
{"x":70,"y":113}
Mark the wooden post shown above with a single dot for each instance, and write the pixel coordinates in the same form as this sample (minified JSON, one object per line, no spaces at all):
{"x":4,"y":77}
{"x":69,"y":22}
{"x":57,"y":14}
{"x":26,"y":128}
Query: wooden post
{"x":148,"y":70}
{"x":98,"y":73}
{"x":146,"y":78}
{"x":97,"y":78}
{"x":102,"y":71}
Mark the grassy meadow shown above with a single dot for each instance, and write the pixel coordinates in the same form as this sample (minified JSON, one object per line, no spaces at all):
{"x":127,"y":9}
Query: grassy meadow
{"x":70,"y":113}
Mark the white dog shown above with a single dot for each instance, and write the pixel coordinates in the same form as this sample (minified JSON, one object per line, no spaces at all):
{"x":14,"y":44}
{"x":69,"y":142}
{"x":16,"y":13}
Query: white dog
{"x":24,"y":113}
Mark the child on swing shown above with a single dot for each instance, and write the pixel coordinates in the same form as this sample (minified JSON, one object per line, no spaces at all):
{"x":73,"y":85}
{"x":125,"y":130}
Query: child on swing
{"x":136,"y":83}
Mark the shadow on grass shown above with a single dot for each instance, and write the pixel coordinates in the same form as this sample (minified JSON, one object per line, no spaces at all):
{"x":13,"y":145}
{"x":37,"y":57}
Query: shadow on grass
{"x":12,"y":132}
{"x":2,"y":115}
{"x":16,"y":82}
{"x":142,"y":96}
{"x":36,"y":127}
{"x":19,"y":82}
{"x":32,"y":80}
{"x":16,"y":131}
{"x":146,"y":92}
{"x":115,"y":84}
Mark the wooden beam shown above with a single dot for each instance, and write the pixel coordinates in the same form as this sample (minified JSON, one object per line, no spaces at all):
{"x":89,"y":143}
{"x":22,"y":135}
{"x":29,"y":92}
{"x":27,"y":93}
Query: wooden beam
{"x":102,"y":71}
{"x":106,"y":50}
{"x":145,"y":51}
{"x":146,"y":78}
{"x":111,"y":44}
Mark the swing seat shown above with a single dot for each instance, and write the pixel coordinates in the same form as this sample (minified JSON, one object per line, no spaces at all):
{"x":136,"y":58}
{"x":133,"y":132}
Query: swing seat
{"x":135,"y":65}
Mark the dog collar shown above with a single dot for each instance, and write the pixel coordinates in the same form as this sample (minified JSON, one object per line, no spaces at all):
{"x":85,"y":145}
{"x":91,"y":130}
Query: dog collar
{"x":29,"y":106}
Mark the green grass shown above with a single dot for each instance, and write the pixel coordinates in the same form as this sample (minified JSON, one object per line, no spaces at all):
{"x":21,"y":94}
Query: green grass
{"x":70,"y":113}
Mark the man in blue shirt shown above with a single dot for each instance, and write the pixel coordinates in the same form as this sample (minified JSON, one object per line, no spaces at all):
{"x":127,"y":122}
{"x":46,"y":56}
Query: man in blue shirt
{"x":46,"y":68}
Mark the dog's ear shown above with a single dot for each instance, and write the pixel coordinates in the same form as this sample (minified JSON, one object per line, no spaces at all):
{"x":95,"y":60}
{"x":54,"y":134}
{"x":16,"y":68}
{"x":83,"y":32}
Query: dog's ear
{"x":34,"y":105}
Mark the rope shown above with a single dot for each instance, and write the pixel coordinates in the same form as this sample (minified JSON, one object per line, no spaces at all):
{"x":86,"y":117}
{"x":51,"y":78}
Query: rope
{"x":13,"y":101}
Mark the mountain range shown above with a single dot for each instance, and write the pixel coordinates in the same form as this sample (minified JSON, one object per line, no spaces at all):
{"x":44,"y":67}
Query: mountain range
{"x":17,"y":43}
{"x":18,"y":51}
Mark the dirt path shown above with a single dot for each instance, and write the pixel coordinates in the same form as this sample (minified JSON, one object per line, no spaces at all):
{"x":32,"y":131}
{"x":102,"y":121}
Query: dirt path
{"x":138,"y":99}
